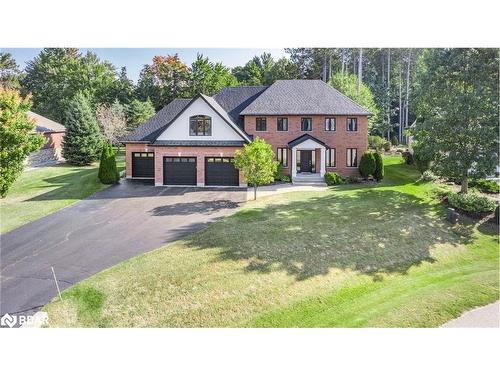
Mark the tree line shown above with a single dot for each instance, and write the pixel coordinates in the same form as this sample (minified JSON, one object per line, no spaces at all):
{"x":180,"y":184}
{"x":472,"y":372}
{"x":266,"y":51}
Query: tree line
{"x":450,"y":95}
{"x":382,"y":80}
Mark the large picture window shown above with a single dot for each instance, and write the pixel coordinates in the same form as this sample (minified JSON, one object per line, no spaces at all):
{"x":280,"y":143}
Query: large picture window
{"x":306,"y":124}
{"x":330,"y":125}
{"x":200,"y":125}
{"x":330,"y":157}
{"x":283,"y":156}
{"x":282,"y":124}
{"x":352,"y":124}
{"x":352,"y":157}
{"x":260,"y":124}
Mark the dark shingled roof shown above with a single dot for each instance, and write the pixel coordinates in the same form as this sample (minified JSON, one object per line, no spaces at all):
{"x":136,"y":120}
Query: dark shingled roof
{"x":303,"y":97}
{"x":148,"y":131}
{"x":198,"y":143}
{"x":235,"y":99}
{"x":303,"y":138}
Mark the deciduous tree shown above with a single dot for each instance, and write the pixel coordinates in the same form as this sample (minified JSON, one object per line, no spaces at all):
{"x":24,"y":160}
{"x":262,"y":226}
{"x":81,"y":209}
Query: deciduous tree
{"x":256,"y":160}
{"x":457,"y":104}
{"x":17,"y":136}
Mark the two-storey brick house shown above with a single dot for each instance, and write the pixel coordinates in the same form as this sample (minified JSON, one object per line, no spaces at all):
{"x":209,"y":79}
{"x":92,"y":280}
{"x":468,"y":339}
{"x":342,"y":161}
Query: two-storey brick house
{"x":312,"y":128}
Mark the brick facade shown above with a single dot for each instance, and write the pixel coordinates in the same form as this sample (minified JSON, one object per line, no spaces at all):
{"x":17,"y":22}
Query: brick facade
{"x":340,"y":139}
{"x":199,"y":152}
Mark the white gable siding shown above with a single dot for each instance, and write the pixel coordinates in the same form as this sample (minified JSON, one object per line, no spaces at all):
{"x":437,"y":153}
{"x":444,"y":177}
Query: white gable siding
{"x":179,"y":129}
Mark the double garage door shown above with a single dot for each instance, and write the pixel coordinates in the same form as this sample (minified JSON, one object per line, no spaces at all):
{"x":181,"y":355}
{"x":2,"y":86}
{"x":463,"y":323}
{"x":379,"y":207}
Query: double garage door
{"x":182,"y":171}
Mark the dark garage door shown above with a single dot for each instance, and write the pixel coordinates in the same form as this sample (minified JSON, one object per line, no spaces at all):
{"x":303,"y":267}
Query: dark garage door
{"x":179,"y":171}
{"x":143,"y":164}
{"x":221,"y":172}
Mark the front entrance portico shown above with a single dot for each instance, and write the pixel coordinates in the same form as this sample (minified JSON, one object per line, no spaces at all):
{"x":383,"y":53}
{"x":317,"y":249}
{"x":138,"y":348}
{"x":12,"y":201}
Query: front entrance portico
{"x":308,"y":156}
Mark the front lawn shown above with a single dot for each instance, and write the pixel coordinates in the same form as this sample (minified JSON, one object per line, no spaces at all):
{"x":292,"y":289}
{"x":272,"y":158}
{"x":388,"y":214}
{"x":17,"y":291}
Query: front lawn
{"x":41,"y":191}
{"x":354,"y":256}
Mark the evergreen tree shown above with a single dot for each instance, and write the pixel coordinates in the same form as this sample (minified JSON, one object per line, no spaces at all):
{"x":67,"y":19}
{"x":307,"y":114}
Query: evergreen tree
{"x":367,"y":164}
{"x":378,"y":174}
{"x":17,"y":137}
{"x":138,"y":112}
{"x":108,"y":172}
{"x":83,"y":140}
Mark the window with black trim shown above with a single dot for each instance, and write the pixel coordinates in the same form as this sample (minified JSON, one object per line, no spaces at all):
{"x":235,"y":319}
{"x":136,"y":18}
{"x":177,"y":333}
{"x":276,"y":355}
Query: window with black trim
{"x":330,"y":124}
{"x":306,"y":124}
{"x":200,"y":125}
{"x":352,"y":124}
{"x":260,"y":124}
{"x":282,"y":124}
{"x":282,"y":156}
{"x":330,"y":157}
{"x":352,"y":157}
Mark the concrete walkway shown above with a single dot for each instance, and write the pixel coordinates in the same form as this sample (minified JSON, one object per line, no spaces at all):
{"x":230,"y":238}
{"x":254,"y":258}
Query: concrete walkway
{"x":483,"y":317}
{"x":264,"y":191}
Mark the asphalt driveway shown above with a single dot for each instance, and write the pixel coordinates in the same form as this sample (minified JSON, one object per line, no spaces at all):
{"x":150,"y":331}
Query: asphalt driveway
{"x":96,"y":233}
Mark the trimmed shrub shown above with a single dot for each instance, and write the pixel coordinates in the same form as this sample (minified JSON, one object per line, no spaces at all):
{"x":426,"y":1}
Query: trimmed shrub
{"x":486,"y":186}
{"x":428,"y":176}
{"x":407,"y":155}
{"x":471,"y":203}
{"x":375,"y":142}
{"x":279,"y":175}
{"x":387,"y":146}
{"x":332,"y":178}
{"x":367,"y":164}
{"x":421,"y":160}
{"x":378,"y":174}
{"x":394,"y":140}
{"x":108,"y":173}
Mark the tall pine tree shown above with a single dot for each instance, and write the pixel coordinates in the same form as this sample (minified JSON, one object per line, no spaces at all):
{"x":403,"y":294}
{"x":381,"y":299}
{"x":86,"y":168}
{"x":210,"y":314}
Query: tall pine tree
{"x":83,"y":141}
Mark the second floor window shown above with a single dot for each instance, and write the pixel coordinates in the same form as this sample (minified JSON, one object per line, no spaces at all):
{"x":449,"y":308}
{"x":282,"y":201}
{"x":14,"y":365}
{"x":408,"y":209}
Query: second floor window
{"x":260,"y":124}
{"x":283,"y":156}
{"x":306,"y":124}
{"x":352,"y":124}
{"x":330,"y":125}
{"x":282,"y":124}
{"x":200,"y":125}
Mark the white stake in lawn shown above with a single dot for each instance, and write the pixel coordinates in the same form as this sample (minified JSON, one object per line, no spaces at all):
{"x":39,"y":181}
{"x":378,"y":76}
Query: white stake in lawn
{"x":57,"y":285}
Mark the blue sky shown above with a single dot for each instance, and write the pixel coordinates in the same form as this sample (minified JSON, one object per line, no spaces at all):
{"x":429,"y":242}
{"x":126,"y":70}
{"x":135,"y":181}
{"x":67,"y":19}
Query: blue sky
{"x":135,"y":58}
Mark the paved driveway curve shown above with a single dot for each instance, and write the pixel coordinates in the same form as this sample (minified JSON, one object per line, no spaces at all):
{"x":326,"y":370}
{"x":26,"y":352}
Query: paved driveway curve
{"x":98,"y":232}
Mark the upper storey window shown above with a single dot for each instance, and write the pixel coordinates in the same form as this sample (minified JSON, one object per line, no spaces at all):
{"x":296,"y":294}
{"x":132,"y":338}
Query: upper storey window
{"x":260,"y":124}
{"x":306,"y":124}
{"x":200,"y":125}
{"x":352,"y":124}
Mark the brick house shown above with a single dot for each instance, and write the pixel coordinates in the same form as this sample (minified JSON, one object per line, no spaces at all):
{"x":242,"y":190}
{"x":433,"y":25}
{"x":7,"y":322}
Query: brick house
{"x":54,"y":133}
{"x":311,"y":127}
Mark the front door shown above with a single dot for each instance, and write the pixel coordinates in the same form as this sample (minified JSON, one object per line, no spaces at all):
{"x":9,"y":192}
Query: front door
{"x":305,"y":161}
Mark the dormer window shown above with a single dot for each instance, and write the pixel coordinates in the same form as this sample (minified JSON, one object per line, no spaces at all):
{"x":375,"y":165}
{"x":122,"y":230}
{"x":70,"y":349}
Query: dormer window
{"x":200,"y":125}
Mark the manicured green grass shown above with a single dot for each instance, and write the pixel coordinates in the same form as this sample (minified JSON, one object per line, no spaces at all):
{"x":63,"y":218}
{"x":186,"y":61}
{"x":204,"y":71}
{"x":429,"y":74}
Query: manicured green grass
{"x":355,"y":256}
{"x":41,"y":191}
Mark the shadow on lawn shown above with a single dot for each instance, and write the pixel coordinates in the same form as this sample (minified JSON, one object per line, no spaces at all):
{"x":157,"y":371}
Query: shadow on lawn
{"x":368,"y":231}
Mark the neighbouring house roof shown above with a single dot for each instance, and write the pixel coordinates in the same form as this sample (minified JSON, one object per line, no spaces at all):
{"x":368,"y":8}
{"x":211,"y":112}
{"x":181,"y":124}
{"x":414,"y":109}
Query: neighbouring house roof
{"x":303,"y":97}
{"x":45,"y":125}
{"x":303,"y":138}
{"x":198,"y":143}
{"x":148,"y":131}
{"x":235,"y":99}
